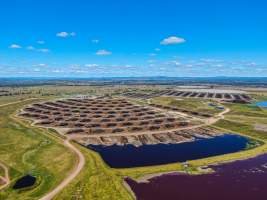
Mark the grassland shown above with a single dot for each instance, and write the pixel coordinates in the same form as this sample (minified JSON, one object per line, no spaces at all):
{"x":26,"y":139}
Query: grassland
{"x":99,"y":181}
{"x":238,"y":124}
{"x":246,"y":110}
{"x":197,"y":105}
{"x":96,"y":172}
{"x":10,"y":99}
{"x":96,"y":181}
{"x":2,"y":172}
{"x":28,"y":150}
{"x":241,"y":120}
{"x":39,"y":153}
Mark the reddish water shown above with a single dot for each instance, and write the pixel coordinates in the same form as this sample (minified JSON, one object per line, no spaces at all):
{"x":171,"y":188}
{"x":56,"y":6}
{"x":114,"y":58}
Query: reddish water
{"x":240,"y":180}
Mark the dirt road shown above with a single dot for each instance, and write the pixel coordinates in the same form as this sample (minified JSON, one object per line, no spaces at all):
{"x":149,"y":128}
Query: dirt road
{"x":213,"y":120}
{"x":79,"y":166}
{"x":15,"y":102}
{"x":6,"y":179}
{"x":81,"y":160}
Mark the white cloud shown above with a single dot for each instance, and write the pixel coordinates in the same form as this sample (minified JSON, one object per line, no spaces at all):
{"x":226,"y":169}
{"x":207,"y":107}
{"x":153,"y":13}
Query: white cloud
{"x":151,"y":61}
{"x":210,"y":60}
{"x":91,"y":65}
{"x":43,"y":50}
{"x":199,"y":64}
{"x":172,"y":40}
{"x":152,"y":54}
{"x":157,"y":49}
{"x":218,"y":65}
{"x":30,"y":48}
{"x":42,"y":65}
{"x":65,"y":34}
{"x":75,"y":66}
{"x":95,"y":41}
{"x":251,"y":64}
{"x":56,"y":71}
{"x":103,"y":52}
{"x":79,"y":71}
{"x":15,"y":46}
{"x":176,"y":63}
{"x":40,"y":42}
{"x":128,"y":66}
{"x":62,"y":34}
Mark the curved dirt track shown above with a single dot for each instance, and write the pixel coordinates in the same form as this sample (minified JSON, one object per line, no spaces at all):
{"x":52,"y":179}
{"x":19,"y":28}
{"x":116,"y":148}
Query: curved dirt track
{"x":217,"y":117}
{"x":78,"y":167}
{"x":81,"y":160}
{"x":15,"y":102}
{"x":71,"y":176}
{"x":6,"y":179}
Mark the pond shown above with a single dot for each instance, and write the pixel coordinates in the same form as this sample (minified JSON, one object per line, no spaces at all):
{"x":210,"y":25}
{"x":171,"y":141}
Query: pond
{"x":262,"y":104}
{"x":244,"y":180}
{"x":147,"y":155}
{"x":216,"y":106}
{"x":25,"y":181}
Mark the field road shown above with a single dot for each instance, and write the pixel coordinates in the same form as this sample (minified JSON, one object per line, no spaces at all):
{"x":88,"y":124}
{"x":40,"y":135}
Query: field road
{"x":81,"y":160}
{"x":213,"y":120}
{"x":15,"y":102}
{"x":71,"y":176}
{"x":78,"y":167}
{"x":207,"y":122}
{"x":6,"y":178}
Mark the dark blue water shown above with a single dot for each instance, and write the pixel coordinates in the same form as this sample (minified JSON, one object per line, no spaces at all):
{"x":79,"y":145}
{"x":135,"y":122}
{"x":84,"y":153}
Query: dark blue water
{"x":25,"y":181}
{"x":262,"y":104}
{"x":147,"y":155}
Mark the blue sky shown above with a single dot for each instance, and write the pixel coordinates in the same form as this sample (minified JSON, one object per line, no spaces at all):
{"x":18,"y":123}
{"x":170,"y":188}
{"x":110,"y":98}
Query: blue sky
{"x":98,"y":38}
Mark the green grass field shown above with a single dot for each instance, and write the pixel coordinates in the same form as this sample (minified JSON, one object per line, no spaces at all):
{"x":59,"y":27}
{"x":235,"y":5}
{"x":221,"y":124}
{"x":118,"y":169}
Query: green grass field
{"x":27,"y":150}
{"x":2,"y":172}
{"x":99,"y":181}
{"x":246,"y":110}
{"x":198,"y":105}
{"x":96,"y":181}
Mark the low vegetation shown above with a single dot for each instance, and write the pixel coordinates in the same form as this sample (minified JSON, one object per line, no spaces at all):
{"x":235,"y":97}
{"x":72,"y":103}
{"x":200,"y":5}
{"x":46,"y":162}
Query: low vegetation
{"x":39,"y":152}
{"x":2,"y":172}
{"x":241,"y":121}
{"x":246,"y":110}
{"x":98,"y":170}
{"x":244,"y":128}
{"x":196,"y":105}
{"x":29,"y":150}
{"x":96,"y":181}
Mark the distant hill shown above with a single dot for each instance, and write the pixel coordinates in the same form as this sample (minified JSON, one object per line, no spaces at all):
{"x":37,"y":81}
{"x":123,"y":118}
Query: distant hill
{"x":244,"y":81}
